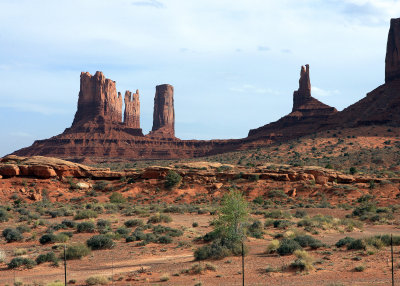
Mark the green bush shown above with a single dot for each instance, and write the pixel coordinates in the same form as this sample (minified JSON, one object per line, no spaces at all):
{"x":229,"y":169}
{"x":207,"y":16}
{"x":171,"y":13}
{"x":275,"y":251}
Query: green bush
{"x":357,"y":244}
{"x":216,"y":250}
{"x":11,"y":234}
{"x":165,"y":239}
{"x":158,"y":218}
{"x":97,"y":280}
{"x":344,"y":241}
{"x":307,"y":240}
{"x":117,"y":198}
{"x":48,"y":257}
{"x":277,"y":194}
{"x":172,"y":179}
{"x":103,"y":223}
{"x":48,"y":238}
{"x":100,"y":242}
{"x":288,"y":246}
{"x":100,"y":185}
{"x":20,"y":261}
{"x":255,"y":229}
{"x":134,"y":222}
{"x":4,"y":216}
{"x":123,"y":231}
{"x":69,"y":223}
{"x":85,"y":214}
{"x":282,"y":224}
{"x":86,"y":226}
{"x":76,"y":251}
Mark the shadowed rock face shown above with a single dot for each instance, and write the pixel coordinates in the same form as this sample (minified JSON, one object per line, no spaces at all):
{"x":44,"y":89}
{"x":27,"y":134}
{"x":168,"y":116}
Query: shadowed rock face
{"x":392,"y":61}
{"x":303,"y":94}
{"x":98,"y":100}
{"x":164,"y":114}
{"x":132,"y":109}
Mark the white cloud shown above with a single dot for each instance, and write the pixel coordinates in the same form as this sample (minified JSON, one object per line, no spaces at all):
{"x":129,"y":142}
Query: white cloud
{"x":319,"y":92}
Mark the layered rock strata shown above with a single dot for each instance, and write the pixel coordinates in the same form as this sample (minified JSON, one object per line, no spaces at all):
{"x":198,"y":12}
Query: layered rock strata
{"x":164,"y":113}
{"x":132,"y":109}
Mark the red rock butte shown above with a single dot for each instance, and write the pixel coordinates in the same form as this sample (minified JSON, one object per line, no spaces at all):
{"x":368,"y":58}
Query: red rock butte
{"x":98,"y":131}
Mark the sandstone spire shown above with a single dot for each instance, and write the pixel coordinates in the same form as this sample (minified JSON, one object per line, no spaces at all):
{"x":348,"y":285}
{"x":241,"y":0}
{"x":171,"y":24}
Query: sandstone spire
{"x":98,"y":100}
{"x":164,"y":114}
{"x":392,"y":61}
{"x":132,"y":109}
{"x":303,"y":94}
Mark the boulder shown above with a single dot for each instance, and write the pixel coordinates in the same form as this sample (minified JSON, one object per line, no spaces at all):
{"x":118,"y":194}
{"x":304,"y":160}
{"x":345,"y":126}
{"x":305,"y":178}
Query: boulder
{"x":9,"y":170}
{"x":42,"y":171}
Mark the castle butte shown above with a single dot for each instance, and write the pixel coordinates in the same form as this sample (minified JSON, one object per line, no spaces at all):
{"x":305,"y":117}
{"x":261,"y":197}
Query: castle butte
{"x":98,"y":131}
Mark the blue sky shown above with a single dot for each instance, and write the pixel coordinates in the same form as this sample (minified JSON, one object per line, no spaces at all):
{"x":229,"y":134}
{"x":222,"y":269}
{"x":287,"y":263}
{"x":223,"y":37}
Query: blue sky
{"x":234,"y":64}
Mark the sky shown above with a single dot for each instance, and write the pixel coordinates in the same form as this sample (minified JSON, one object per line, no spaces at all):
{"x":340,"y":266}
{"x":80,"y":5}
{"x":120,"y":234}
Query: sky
{"x":234,"y":64}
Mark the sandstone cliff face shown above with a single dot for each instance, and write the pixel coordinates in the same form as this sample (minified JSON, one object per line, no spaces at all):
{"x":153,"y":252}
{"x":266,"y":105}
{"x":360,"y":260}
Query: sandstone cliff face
{"x":132,"y":109}
{"x":98,"y":100}
{"x":392,"y":61}
{"x":164,"y":113}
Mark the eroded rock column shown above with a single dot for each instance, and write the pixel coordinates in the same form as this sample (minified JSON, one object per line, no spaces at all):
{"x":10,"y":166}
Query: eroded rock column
{"x":164,"y":113}
{"x":132,"y":109}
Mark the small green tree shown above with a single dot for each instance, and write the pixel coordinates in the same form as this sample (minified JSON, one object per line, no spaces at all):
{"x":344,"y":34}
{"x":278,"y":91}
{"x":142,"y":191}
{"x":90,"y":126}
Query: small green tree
{"x":172,"y":179}
{"x":233,"y":215}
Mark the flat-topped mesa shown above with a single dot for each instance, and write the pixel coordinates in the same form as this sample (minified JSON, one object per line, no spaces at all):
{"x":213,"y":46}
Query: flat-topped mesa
{"x":392,"y":61}
{"x":303,"y":94}
{"x":132,"y":109}
{"x":164,"y":113}
{"x":98,"y":100}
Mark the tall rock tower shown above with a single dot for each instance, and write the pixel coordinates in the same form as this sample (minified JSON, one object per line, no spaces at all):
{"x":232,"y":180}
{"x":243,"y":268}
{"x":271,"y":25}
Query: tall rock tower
{"x":392,"y":61}
{"x":303,"y":94}
{"x":164,"y":113}
{"x":98,"y":100}
{"x":132,"y":109}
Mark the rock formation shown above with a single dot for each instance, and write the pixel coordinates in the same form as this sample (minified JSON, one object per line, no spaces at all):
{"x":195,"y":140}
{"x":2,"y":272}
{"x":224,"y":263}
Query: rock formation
{"x":303,"y":94}
{"x":98,"y":100}
{"x":164,"y":113}
{"x":392,"y":61}
{"x":132,"y":109}
{"x":98,"y":131}
{"x":307,"y":114}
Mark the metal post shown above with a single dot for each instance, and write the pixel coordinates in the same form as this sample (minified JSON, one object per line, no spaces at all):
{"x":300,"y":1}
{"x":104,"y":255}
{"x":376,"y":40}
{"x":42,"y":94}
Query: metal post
{"x":112,"y":268}
{"x":65,"y":266}
{"x":391,"y":250}
{"x":243,"y":261}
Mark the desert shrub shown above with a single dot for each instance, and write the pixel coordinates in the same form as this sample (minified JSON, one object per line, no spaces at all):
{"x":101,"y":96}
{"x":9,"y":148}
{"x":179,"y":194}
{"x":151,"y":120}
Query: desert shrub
{"x":134,"y":222}
{"x":375,"y":242}
{"x":69,"y":223}
{"x":303,"y":262}
{"x":254,"y":177}
{"x":344,"y":241}
{"x":20,"y":251}
{"x":160,"y":229}
{"x":76,"y":251}
{"x":216,"y":250}
{"x":48,"y":257}
{"x":352,"y":170}
{"x":195,"y":224}
{"x":277,"y":194}
{"x":255,"y":229}
{"x":300,"y":213}
{"x":48,"y":238}
{"x":122,"y":231}
{"x":282,"y":224}
{"x":272,"y":246}
{"x":277,"y":214}
{"x":103,"y":223}
{"x":96,"y":280}
{"x":85,"y":214}
{"x":307,"y":240}
{"x":11,"y":235}
{"x":86,"y":226}
{"x":100,"y":242}
{"x":4,"y":216}
{"x":357,"y":244}
{"x":158,"y":218}
{"x":359,"y":268}
{"x":164,"y":239}
{"x":164,"y":277}
{"x":385,"y":238}
{"x":117,"y":198}
{"x":288,"y":246}
{"x":20,"y":261}
{"x":100,"y":185}
{"x":23,"y":228}
{"x":259,"y":200}
{"x":172,"y":179}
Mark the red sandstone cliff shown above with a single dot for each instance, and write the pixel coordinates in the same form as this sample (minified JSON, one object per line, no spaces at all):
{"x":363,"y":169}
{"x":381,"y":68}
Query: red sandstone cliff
{"x":132,"y":109}
{"x":164,"y":113}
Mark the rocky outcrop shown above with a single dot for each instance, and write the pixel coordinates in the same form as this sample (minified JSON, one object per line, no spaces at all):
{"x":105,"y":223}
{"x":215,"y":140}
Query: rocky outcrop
{"x":98,"y":100}
{"x":132,"y":109}
{"x":164,"y":113}
{"x":307,"y":114}
{"x":392,"y":61}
